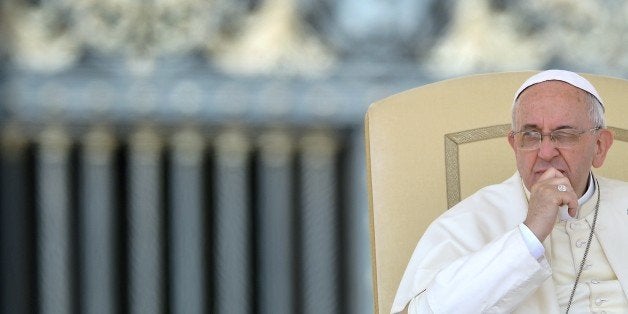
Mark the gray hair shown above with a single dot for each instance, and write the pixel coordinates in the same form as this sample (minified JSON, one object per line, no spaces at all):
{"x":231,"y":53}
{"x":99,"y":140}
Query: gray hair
{"x":595,"y":111}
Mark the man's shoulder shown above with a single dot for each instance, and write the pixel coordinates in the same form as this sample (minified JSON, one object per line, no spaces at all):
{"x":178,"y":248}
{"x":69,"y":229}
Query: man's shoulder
{"x":613,"y":187}
{"x":612,"y":182}
{"x":482,"y":216}
{"x":499,"y":192}
{"x":496,"y":199}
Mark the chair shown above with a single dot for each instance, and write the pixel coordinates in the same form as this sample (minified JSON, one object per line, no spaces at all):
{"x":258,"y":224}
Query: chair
{"x":429,"y":147}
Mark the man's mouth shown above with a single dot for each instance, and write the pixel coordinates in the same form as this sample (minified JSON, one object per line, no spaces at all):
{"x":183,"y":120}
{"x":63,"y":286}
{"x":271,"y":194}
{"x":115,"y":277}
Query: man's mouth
{"x":542,"y":171}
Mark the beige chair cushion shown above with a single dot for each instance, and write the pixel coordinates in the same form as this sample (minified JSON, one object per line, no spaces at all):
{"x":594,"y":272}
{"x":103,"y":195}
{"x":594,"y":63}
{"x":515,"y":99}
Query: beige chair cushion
{"x":430,"y":146}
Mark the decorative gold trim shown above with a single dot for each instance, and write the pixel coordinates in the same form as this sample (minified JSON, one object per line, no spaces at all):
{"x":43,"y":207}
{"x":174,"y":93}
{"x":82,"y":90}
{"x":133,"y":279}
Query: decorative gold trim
{"x":452,"y":171}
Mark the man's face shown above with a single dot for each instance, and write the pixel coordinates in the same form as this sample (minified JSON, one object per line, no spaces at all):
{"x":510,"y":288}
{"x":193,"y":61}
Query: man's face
{"x":549,"y":106}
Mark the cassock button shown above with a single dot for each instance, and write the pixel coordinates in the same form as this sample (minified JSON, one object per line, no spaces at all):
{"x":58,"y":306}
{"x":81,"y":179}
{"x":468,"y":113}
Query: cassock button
{"x":600,"y":301}
{"x":580,"y":243}
{"x":595,"y":282}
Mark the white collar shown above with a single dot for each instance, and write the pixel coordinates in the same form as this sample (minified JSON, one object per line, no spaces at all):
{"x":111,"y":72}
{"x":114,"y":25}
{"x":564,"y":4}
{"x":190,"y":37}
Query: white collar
{"x":590,"y":191}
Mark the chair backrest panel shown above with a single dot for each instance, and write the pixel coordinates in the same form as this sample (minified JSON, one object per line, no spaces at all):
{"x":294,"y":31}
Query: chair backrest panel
{"x":430,"y":146}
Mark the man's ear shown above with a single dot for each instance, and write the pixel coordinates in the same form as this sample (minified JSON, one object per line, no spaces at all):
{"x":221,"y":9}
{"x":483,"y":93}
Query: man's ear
{"x":603,"y":144}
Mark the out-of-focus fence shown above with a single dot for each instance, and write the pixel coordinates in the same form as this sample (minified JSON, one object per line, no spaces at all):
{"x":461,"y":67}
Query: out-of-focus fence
{"x":191,"y":195}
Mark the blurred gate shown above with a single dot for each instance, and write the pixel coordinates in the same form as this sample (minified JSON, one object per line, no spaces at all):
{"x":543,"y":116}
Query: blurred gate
{"x":178,"y":219}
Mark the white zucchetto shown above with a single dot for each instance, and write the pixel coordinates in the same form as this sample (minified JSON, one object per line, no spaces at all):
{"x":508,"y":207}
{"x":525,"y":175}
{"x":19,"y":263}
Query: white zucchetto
{"x":564,"y":76}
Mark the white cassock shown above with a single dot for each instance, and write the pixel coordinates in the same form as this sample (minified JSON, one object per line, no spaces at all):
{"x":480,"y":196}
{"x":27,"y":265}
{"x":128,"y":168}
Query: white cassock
{"x":473,"y":258}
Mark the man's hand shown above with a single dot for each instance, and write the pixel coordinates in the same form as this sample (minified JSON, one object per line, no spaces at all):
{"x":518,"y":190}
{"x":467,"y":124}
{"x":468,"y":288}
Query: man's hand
{"x":545,"y":198}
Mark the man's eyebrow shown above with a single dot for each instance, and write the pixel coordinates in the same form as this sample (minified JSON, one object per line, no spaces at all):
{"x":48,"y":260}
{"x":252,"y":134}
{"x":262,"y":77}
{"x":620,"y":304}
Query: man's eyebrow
{"x":532,"y":126}
{"x":563,"y":127}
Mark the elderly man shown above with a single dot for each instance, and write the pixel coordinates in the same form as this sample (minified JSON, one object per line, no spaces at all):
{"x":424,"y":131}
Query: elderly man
{"x":552,"y":238}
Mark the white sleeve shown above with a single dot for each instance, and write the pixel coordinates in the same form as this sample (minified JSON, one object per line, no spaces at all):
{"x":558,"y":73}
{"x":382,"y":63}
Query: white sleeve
{"x":495,"y":279}
{"x":532,"y":242}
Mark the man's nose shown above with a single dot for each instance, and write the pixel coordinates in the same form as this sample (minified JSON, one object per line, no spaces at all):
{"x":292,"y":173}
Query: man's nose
{"x":547,"y":149}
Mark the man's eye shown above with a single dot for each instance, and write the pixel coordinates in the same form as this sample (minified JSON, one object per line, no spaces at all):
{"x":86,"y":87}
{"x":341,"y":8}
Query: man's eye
{"x":563,"y":134}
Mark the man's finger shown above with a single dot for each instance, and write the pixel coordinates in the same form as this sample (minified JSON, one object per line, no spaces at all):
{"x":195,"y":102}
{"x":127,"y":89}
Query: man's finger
{"x":550,"y":173}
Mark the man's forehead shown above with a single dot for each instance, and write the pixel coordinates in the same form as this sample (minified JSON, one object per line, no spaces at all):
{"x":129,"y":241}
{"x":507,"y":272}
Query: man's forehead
{"x":550,"y":100}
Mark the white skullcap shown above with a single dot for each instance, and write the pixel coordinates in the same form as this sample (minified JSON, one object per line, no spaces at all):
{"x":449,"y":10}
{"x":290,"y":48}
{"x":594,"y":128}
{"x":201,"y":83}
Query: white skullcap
{"x":564,"y":76}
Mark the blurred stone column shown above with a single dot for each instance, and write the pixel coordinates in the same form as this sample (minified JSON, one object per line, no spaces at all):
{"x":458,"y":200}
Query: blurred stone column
{"x":146,"y":235}
{"x":188,"y":286}
{"x":319,"y":224}
{"x":99,"y":284}
{"x":16,"y":229}
{"x":233,"y":276}
{"x":359,"y":285}
{"x":276,"y":221}
{"x":54,"y":231}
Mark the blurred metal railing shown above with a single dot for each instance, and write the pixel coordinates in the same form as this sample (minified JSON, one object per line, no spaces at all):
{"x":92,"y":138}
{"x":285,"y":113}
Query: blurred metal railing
{"x":186,"y":191}
{"x":180,"y":219}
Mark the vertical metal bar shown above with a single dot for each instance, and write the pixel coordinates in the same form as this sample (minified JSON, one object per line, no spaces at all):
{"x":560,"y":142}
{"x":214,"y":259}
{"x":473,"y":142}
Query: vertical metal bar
{"x":187,"y":249}
{"x":55,"y":281}
{"x":276,"y":218}
{"x":97,"y":226}
{"x":233,"y":224}
{"x":15,"y":228}
{"x":358,"y":257}
{"x":319,"y":224}
{"x":146,"y":236}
